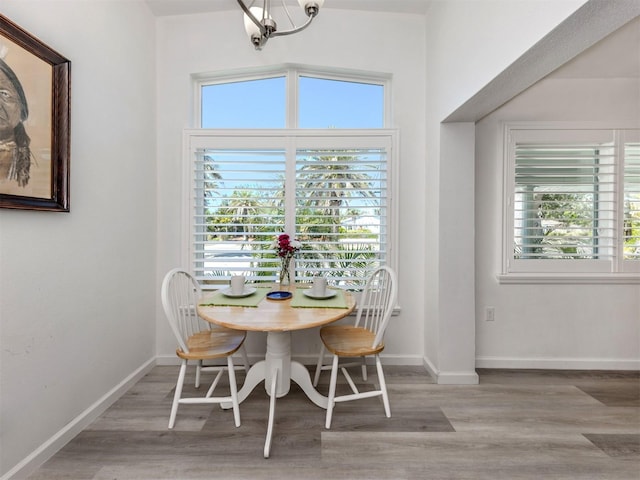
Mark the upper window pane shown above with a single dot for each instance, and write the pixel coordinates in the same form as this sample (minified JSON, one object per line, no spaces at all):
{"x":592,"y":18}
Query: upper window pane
{"x":339,"y":104}
{"x":247,"y":104}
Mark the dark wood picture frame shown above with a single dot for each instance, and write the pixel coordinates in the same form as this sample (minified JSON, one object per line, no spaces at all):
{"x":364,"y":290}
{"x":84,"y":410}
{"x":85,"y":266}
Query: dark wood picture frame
{"x":58,"y":199}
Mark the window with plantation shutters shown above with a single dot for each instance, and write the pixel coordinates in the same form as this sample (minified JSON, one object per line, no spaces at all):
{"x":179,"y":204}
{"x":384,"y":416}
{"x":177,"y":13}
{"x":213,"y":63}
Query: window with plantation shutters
{"x":331,"y":190}
{"x":573,"y":202}
{"x":300,"y":150}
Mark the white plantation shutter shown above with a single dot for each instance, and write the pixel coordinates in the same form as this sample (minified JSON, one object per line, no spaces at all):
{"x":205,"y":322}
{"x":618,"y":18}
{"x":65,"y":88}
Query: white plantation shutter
{"x":330,"y":190}
{"x":342,"y":211}
{"x":238,"y":208}
{"x":631,"y":222}
{"x":564,"y":201}
{"x":564,"y":207}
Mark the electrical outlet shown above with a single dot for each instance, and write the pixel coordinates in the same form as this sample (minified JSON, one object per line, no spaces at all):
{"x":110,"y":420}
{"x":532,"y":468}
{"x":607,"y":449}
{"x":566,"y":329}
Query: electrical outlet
{"x":490,"y":314}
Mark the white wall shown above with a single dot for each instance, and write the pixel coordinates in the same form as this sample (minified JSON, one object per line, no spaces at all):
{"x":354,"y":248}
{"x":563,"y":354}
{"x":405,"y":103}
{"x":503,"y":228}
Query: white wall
{"x":468,"y":44}
{"x":553,"y":326}
{"x":77,"y":293}
{"x":388,"y":43}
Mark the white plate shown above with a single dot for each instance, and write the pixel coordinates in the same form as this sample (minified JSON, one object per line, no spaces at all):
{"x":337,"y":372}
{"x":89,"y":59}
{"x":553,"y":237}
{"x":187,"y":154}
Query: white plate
{"x":247,"y":291}
{"x":329,"y":294}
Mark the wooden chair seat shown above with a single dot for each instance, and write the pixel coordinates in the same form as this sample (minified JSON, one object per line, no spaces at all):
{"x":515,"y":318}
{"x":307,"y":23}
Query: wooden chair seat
{"x":211,"y":344}
{"x":349,"y":341}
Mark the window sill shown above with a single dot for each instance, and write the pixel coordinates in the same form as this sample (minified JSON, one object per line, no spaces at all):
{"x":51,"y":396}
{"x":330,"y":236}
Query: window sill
{"x":569,"y":278}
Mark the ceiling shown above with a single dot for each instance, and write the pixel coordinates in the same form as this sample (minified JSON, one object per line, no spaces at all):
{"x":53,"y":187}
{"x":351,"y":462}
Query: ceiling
{"x":183,"y":7}
{"x":613,"y":55}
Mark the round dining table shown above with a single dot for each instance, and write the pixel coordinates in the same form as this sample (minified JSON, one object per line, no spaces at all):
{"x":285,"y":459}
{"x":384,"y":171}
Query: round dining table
{"x":278,"y":318}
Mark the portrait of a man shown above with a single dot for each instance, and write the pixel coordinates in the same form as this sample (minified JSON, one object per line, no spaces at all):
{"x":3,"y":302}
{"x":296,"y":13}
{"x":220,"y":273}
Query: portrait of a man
{"x":25,"y":122}
{"x":15,"y":155}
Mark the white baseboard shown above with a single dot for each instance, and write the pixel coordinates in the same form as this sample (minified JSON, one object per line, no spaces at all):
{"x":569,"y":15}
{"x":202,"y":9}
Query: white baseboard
{"x":458,"y":378}
{"x":167,"y":360}
{"x":173,"y":360}
{"x":45,"y":451}
{"x":414,"y":360}
{"x":558,"y":363}
{"x":431,"y":368}
{"x":306,"y":359}
{"x":451,"y":377}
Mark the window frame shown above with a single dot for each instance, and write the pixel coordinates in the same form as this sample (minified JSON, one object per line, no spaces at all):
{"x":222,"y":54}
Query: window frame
{"x":581,"y":271}
{"x":195,"y":139}
{"x":292,"y":73}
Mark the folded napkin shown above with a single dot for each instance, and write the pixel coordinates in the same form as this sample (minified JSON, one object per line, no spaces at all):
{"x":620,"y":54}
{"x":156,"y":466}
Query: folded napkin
{"x":300,"y":300}
{"x":217,"y":298}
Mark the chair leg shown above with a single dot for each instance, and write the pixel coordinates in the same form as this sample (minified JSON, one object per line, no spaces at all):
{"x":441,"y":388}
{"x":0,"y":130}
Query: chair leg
{"x":178,"y":394}
{"x":364,"y":369}
{"x":316,"y":377}
{"x":245,"y":358}
{"x":332,"y":391}
{"x":198,"y":369}
{"x":383,"y":387}
{"x":234,"y":391}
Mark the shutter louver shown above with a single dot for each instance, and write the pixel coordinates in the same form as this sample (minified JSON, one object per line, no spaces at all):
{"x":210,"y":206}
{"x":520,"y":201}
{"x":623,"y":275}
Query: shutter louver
{"x":564,"y":202}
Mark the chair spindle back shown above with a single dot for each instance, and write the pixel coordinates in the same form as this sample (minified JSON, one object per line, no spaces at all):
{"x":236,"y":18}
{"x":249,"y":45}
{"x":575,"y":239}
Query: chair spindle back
{"x":377,"y":302}
{"x":180,"y":294}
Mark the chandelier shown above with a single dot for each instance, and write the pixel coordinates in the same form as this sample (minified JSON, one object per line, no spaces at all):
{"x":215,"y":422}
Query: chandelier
{"x":260,"y":25}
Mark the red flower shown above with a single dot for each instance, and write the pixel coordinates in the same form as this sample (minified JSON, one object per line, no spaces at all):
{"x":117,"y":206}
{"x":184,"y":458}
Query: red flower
{"x":285,"y":247}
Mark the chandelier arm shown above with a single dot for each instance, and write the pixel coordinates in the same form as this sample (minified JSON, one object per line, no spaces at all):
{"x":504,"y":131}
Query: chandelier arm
{"x":245,"y":9}
{"x":279,"y":33}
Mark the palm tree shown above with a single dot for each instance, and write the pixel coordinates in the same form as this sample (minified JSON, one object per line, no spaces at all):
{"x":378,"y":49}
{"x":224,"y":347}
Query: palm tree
{"x":330,"y":182}
{"x":210,"y":178}
{"x":244,"y":207}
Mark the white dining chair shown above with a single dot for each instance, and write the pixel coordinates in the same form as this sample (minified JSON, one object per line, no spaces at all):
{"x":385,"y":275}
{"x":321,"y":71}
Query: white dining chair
{"x":361,"y":340}
{"x":198,"y":341}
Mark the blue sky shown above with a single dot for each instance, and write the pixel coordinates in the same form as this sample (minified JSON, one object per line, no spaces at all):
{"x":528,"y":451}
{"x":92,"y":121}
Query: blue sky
{"x":322,"y":104}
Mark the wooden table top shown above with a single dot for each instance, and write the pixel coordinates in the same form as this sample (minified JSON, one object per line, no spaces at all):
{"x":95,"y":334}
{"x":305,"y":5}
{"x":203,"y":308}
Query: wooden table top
{"x":273,"y":315}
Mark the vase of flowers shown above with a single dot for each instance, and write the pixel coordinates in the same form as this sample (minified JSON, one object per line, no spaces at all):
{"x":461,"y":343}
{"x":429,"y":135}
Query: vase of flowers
{"x":286,"y":249}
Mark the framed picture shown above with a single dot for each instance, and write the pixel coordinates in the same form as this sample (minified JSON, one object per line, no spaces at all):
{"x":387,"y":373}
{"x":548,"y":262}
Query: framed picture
{"x":34,"y":122}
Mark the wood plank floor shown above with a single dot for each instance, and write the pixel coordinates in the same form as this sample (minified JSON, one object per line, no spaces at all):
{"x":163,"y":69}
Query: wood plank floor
{"x":513,"y":425}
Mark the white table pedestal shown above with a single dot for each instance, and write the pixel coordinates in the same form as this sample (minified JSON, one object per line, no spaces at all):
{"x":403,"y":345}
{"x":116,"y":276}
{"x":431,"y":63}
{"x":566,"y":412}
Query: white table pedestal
{"x":277,"y":370}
